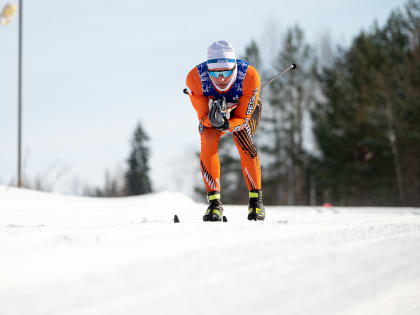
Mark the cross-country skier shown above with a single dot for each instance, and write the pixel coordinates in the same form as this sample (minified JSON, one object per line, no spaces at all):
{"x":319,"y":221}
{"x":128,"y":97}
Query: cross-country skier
{"x":224,"y":91}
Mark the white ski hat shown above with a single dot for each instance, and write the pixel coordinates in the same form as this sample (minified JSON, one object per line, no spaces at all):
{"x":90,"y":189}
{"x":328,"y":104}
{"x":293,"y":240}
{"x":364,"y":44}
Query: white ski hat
{"x":220,"y":54}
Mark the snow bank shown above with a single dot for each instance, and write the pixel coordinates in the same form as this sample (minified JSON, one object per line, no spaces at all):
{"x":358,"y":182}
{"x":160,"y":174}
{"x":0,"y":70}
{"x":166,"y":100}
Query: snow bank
{"x":77,"y":255}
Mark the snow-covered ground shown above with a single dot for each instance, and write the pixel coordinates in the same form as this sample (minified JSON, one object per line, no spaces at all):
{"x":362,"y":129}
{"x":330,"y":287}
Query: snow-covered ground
{"x":76,"y":255}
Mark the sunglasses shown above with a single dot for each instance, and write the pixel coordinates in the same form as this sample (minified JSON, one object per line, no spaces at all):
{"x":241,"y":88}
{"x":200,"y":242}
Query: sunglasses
{"x":224,"y":73}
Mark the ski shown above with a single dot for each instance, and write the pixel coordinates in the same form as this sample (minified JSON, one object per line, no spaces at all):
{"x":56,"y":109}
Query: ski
{"x":176,"y":219}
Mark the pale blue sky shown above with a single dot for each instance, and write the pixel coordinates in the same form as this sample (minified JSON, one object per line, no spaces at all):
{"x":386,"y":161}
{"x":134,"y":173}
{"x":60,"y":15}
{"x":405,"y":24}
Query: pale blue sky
{"x":92,"y":69}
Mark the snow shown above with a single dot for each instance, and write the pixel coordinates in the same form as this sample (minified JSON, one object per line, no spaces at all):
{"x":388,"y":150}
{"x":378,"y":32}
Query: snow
{"x":76,"y":255}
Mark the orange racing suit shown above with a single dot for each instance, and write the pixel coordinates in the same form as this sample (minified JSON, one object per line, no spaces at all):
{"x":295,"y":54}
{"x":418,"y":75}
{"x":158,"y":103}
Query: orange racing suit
{"x":245,"y":111}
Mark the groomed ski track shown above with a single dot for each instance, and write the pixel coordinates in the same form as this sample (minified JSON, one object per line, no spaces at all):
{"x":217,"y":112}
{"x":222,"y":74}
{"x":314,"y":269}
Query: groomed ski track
{"x":75,"y":255}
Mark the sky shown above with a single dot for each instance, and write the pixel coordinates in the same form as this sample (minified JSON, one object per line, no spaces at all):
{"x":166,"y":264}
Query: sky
{"x":93,"y":69}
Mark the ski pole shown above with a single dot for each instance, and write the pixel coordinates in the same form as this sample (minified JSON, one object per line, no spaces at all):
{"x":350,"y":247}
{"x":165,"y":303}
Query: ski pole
{"x":292,"y":66}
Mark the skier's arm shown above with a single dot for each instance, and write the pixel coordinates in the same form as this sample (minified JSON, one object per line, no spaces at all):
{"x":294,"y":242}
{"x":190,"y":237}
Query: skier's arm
{"x":198,"y":100}
{"x":248,"y":101}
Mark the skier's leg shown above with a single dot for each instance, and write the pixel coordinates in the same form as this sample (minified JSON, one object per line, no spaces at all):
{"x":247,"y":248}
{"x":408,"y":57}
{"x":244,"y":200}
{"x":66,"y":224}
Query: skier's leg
{"x":250,"y":160}
{"x":209,"y":159}
{"x":210,"y":168}
{"x":250,"y":163}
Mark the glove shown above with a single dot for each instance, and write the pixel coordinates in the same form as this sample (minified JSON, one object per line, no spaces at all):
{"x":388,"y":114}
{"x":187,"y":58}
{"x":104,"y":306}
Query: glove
{"x":226,"y":125}
{"x":217,"y":118}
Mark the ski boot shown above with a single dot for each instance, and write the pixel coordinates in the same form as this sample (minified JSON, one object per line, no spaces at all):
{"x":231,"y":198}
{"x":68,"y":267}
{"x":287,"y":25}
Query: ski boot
{"x":215,"y":210}
{"x":256,"y":209}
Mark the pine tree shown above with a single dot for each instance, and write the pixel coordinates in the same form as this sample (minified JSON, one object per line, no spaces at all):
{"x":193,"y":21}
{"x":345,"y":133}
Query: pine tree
{"x":137,"y":175}
{"x":367,"y":128}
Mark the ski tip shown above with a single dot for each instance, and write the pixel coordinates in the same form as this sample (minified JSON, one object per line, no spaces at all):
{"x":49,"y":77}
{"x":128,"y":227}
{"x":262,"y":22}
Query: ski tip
{"x":293,"y":66}
{"x":176,"y":219}
{"x":224,"y":219}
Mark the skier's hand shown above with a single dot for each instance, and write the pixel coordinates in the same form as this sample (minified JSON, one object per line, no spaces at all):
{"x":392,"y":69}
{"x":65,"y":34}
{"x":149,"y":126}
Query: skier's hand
{"x":226,"y":126}
{"x":217,"y":117}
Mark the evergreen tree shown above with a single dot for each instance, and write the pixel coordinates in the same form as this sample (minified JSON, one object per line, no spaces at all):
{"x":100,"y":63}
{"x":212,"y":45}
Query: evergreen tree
{"x":399,"y":77}
{"x":349,"y":131}
{"x":367,"y":128}
{"x":137,"y":175}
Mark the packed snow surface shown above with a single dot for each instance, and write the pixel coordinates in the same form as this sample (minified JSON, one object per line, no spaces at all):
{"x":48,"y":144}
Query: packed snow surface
{"x":77,"y":255}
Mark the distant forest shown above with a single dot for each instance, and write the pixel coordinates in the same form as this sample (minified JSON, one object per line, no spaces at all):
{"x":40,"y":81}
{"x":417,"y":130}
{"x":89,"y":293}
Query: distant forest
{"x":358,"y":105}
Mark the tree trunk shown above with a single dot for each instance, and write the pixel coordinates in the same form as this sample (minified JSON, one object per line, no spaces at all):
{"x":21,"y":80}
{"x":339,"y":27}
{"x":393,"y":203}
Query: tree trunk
{"x":393,"y":143}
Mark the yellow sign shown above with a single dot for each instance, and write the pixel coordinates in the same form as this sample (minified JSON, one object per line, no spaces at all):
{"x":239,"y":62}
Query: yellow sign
{"x":7,"y":14}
